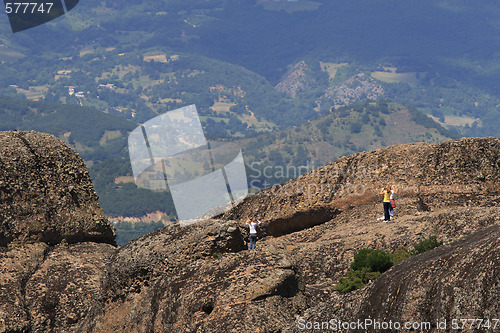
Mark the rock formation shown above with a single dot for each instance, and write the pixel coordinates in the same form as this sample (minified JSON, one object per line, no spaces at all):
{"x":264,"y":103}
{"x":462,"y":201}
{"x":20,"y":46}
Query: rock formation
{"x":297,"y":79}
{"x":50,"y":265}
{"x":358,"y":88}
{"x":46,"y":193}
{"x":201,"y":278}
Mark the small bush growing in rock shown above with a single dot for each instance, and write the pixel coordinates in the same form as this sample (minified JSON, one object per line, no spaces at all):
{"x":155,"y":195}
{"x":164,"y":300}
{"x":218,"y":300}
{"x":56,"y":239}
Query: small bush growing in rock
{"x":367,"y":265}
{"x":370,"y":264}
{"x":355,"y":280}
{"x":426,"y":245}
{"x":376,"y":260}
{"x":400,"y":254}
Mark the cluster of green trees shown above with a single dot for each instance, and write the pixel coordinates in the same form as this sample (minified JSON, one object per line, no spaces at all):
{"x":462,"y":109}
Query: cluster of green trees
{"x":86,"y":125}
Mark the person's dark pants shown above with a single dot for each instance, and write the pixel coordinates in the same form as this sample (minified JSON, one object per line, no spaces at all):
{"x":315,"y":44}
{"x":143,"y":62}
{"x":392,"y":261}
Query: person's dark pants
{"x":253,"y":241}
{"x":387,"y":207}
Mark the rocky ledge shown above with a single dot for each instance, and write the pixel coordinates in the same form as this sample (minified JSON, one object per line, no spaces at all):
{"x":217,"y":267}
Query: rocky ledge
{"x":201,"y":278}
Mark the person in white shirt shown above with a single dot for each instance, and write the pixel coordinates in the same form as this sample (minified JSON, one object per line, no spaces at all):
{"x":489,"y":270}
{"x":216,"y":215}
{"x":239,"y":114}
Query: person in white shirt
{"x":252,"y":224}
{"x":393,"y":202}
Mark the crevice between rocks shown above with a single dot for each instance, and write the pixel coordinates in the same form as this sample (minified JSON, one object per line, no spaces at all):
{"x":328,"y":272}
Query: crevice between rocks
{"x":25,"y":281}
{"x":287,"y":288}
{"x":299,"y":221}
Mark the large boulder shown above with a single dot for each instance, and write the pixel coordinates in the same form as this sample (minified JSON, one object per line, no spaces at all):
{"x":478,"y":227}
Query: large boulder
{"x":54,"y":237}
{"x":46,"y":193}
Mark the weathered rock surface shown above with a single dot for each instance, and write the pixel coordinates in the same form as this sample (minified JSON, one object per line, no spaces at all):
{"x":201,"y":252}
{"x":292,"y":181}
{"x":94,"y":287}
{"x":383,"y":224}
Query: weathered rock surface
{"x":46,"y":193}
{"x":66,"y":285}
{"x":16,"y":267}
{"x":201,"y":278}
{"x":460,"y":280}
{"x":50,"y":268}
{"x":465,"y":167}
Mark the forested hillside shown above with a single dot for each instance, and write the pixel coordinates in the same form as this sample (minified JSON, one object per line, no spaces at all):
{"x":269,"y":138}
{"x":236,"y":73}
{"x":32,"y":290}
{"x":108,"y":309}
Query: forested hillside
{"x":294,"y":84}
{"x":439,"y":57}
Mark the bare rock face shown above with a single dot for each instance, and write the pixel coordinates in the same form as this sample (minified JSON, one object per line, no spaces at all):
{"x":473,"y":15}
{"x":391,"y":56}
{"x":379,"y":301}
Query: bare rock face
{"x":153,"y":287}
{"x":297,"y":79}
{"x":454,"y":281}
{"x":181,"y":279}
{"x":66,"y":285}
{"x":16,"y":267}
{"x":358,"y":88}
{"x":46,"y":193}
{"x":51,"y":270}
{"x":201,"y":278}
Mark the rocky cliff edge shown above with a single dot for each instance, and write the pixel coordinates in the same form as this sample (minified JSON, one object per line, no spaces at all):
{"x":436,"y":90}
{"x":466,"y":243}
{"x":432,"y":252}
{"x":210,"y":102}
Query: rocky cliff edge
{"x":201,"y":278}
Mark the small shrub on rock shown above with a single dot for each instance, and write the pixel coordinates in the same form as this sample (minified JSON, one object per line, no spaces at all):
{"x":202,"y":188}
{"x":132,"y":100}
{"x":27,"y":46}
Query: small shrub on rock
{"x":376,"y":260}
{"x":400,"y":254}
{"x":355,"y":280}
{"x":370,"y":264}
{"x":426,"y":245}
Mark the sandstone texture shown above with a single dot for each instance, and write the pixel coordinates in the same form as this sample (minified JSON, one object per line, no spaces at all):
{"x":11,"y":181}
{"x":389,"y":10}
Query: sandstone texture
{"x":202,"y":278}
{"x":46,"y":193}
{"x":50,"y":222}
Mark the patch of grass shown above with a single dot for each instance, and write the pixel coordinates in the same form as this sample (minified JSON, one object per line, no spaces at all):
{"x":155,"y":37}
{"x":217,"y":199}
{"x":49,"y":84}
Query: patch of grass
{"x":331,"y":68}
{"x":109,"y":135}
{"x":455,"y":120}
{"x":222,"y":107}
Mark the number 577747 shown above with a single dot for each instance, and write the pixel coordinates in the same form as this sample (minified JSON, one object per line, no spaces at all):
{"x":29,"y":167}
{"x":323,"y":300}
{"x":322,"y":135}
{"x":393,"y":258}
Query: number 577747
{"x":28,"y":7}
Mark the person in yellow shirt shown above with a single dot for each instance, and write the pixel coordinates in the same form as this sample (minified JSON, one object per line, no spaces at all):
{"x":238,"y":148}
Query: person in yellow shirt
{"x":387,"y":202}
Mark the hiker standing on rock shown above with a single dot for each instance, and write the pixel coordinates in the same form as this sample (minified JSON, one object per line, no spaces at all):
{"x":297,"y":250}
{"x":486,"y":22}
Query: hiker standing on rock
{"x":393,"y":202}
{"x":387,"y":202}
{"x":253,"y":232}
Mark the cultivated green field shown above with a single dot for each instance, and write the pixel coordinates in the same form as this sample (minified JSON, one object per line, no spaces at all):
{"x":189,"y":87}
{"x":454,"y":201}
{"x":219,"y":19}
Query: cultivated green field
{"x":392,"y":77}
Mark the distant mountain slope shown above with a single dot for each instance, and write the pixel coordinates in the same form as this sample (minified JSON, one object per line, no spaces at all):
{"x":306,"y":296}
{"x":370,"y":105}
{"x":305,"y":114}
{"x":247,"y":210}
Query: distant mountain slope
{"x":101,"y":140}
{"x":455,"y":75}
{"x":96,"y":135}
{"x":345,"y":131}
